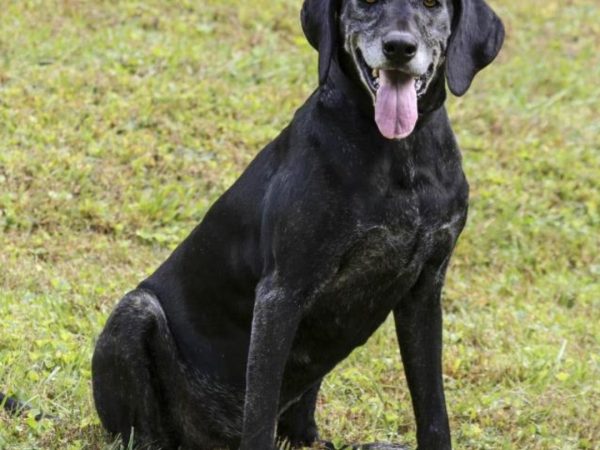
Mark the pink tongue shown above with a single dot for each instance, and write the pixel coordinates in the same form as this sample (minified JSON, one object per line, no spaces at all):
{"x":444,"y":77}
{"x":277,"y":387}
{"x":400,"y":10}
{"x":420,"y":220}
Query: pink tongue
{"x":396,"y":105}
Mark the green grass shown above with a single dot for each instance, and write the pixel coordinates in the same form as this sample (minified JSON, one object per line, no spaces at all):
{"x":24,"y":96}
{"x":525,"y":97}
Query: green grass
{"x":122,"y":121}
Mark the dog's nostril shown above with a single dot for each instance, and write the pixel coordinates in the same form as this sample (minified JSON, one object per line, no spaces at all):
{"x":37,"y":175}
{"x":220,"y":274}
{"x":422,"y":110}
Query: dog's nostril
{"x":399,"y":46}
{"x":410,"y":50}
{"x":389,"y":48}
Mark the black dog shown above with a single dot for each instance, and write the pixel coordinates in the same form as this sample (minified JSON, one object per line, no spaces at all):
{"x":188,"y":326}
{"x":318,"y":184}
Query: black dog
{"x":350,"y":214}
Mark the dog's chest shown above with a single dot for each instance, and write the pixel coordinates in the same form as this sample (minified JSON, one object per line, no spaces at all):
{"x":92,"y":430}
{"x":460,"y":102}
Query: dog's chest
{"x":387,"y":247}
{"x":356,"y":296}
{"x":377,"y":268}
{"x":380,"y":255}
{"x":396,"y":241}
{"x":376,"y":252}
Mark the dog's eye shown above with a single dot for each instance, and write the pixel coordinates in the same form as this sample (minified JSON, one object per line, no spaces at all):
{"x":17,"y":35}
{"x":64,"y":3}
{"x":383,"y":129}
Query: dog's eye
{"x":431,"y":3}
{"x":371,"y":1}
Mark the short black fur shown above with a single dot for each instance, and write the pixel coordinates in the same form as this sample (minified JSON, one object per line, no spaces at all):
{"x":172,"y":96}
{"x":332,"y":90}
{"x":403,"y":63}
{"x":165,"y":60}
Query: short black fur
{"x":329,"y":230}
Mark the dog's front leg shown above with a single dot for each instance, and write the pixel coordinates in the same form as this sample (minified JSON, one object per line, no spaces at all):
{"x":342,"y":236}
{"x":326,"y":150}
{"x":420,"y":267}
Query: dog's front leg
{"x":274,"y":325}
{"x":418,"y":320}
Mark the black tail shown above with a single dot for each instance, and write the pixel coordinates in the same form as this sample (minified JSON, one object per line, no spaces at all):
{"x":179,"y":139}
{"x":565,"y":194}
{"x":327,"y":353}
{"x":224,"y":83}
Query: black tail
{"x":16,"y":407}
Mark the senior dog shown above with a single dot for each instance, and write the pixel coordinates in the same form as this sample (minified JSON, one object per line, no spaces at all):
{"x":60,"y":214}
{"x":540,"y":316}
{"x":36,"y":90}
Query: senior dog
{"x":349,"y":215}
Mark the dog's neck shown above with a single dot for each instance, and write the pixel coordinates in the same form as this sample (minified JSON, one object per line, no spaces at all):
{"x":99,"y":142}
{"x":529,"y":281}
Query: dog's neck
{"x":344,"y":81}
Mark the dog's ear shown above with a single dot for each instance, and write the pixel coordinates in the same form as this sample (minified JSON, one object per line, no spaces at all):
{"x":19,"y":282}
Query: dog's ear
{"x":319,"y":23}
{"x":477,"y":36}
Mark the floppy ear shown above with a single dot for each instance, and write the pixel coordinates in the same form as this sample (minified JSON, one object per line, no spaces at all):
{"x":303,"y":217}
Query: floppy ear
{"x":477,"y":36}
{"x":319,"y":22}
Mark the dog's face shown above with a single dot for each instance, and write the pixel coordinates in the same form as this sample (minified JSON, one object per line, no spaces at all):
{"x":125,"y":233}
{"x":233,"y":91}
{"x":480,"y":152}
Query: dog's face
{"x":407,"y":37}
{"x":397,"y":47}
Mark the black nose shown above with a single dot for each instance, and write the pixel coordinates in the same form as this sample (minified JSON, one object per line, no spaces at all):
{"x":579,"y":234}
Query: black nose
{"x":399,"y":47}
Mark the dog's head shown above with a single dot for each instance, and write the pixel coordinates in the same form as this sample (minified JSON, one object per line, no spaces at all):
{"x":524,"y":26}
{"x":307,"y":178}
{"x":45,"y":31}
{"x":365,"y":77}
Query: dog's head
{"x":397,"y":47}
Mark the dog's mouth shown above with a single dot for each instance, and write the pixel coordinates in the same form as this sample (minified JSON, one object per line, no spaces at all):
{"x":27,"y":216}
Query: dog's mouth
{"x":395,"y":94}
{"x":371,"y":76}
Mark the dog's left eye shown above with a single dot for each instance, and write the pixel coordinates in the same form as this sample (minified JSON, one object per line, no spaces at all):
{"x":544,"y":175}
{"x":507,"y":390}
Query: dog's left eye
{"x":431,"y":3}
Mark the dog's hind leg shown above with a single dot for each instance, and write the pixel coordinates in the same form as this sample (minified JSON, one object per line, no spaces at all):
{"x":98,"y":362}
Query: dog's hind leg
{"x":131,"y":366}
{"x":297,"y":424}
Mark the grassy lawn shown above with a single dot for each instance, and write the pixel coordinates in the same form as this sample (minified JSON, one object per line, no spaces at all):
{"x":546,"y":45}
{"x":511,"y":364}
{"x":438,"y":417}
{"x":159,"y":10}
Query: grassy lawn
{"x":122,"y":121}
